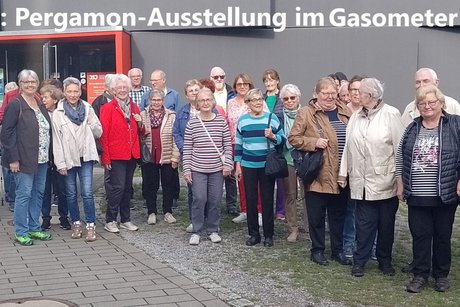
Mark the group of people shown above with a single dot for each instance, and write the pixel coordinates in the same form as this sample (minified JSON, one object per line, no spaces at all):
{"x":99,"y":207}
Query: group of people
{"x":372,"y":158}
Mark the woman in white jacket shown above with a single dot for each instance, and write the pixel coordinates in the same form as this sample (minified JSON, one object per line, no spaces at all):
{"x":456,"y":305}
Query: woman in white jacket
{"x":373,"y":135}
{"x":75,"y":127}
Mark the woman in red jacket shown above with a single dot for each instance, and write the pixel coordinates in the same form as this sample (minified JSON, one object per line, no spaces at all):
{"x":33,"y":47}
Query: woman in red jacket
{"x":120,"y":119}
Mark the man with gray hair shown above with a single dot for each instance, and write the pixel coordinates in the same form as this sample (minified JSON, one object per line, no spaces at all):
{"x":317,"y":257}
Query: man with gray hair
{"x":223,"y":92}
{"x":158,"y":80}
{"x":425,"y":76}
{"x":138,"y":90}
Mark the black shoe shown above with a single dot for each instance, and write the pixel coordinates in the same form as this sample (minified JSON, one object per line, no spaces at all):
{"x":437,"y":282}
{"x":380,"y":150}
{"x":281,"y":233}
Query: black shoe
{"x":252,"y":241}
{"x":268,"y":242}
{"x":65,"y":223}
{"x":233,"y":212}
{"x":357,"y":270}
{"x":340,"y":258}
{"x":441,"y":284}
{"x":387,"y":270}
{"x":416,"y":284}
{"x":408,"y":268}
{"x":46,"y":223}
{"x":319,"y":258}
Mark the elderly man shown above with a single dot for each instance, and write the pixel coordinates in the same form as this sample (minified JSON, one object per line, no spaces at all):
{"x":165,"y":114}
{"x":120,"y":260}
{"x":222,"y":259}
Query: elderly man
{"x":158,"y":80}
{"x":138,"y":90}
{"x":223,"y":92}
{"x":425,"y":76}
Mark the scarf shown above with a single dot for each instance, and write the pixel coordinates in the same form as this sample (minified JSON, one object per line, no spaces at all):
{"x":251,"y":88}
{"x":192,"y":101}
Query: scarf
{"x":156,"y":119}
{"x":75,"y":115}
{"x":289,"y":117}
{"x":125,"y":107}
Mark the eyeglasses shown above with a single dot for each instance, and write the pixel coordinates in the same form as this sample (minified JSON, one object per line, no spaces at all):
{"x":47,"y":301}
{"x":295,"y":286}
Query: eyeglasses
{"x":429,"y":103}
{"x":32,"y":82}
{"x":289,"y":98}
{"x":255,"y":100}
{"x":353,"y":90}
{"x":222,"y":77}
{"x":243,"y":84}
{"x":156,"y":100}
{"x":205,"y":100}
{"x":135,"y":77}
{"x":332,"y":94}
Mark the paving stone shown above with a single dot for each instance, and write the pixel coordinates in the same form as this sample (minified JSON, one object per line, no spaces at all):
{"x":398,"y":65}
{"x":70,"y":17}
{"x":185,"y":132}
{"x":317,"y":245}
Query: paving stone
{"x":125,"y":290}
{"x":124,"y":283}
{"x":61,"y":286}
{"x":73,"y":290}
{"x":146,"y":294}
{"x":241,"y":303}
{"x":17,"y":285}
{"x":169,"y":299}
{"x":201,"y":294}
{"x":215,"y":303}
{"x":190,"y":304}
{"x":180,"y":280}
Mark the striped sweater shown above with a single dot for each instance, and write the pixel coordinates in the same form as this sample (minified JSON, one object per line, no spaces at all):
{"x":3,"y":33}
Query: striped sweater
{"x":200,"y":155}
{"x":250,"y":141}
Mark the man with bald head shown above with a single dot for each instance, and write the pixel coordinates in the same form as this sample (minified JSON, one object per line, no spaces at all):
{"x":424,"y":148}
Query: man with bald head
{"x":223,"y":92}
{"x":158,"y":80}
{"x":137,"y":90}
{"x":425,"y":76}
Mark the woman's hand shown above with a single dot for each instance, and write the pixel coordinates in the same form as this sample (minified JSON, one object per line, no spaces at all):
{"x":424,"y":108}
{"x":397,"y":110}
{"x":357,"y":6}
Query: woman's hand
{"x":174,"y":165}
{"x":14,"y":167}
{"x":137,"y":118}
{"x":188,"y":178}
{"x":321,"y":143}
{"x":269,"y":134}
{"x":237,"y":171}
{"x":226,"y":172}
{"x":62,"y":171}
{"x":400,"y":189}
{"x":108,"y":166}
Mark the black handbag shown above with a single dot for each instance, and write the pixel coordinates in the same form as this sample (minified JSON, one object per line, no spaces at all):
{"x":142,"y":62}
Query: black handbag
{"x":275,"y":164}
{"x":308,"y":163}
{"x":146,"y":154}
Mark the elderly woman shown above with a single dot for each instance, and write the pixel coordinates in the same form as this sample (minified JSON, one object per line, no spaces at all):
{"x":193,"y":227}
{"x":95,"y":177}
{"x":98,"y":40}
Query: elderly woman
{"x":26,"y":141}
{"x":158,"y":133}
{"x":373,"y":136}
{"x":207,"y":160}
{"x":431,"y":191}
{"x":50,"y":97}
{"x":235,"y":108}
{"x":321,"y":126}
{"x":343,"y":95}
{"x":256,"y":133}
{"x":120,"y":121}
{"x":290,"y":95}
{"x":353,"y":91}
{"x":271,"y":80}
{"x":75,"y":127}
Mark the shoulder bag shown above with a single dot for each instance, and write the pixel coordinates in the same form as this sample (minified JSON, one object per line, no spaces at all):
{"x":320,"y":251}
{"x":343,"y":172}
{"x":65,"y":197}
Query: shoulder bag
{"x":276,"y":164}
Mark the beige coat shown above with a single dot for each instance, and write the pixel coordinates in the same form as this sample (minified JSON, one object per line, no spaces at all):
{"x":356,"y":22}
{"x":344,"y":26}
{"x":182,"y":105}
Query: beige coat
{"x":66,"y":141}
{"x":169,"y":151}
{"x":304,"y":135}
{"x":370,"y":150}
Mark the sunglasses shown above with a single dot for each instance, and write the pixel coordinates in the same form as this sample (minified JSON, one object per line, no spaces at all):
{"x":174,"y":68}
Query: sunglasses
{"x":289,"y":98}
{"x":222,"y":77}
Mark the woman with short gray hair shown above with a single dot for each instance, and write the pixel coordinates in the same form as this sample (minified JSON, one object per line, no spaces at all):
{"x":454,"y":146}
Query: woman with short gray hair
{"x":373,"y":135}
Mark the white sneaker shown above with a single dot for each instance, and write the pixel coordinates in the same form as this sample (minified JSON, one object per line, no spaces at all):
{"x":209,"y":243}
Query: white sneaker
{"x":189,"y":228}
{"x":112,"y":227}
{"x":215,"y":238}
{"x":152,"y":220}
{"x":194,"y":239}
{"x":260,"y":220}
{"x":169,"y":218}
{"x":240,"y":218}
{"x":129,"y":226}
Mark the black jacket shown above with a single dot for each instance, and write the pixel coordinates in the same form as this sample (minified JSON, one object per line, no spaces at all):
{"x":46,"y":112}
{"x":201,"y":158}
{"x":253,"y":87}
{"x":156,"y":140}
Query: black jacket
{"x":19,"y":135}
{"x":449,"y":157}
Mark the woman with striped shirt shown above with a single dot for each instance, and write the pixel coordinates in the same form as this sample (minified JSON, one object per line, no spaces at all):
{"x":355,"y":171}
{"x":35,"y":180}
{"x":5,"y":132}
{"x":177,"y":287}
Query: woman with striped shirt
{"x":207,"y":159}
{"x":428,"y":180}
{"x":253,"y":136}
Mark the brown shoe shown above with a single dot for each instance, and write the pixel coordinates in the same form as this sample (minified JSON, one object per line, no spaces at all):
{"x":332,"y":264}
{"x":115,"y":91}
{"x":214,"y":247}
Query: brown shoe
{"x":76,"y":230}
{"x":90,"y":233}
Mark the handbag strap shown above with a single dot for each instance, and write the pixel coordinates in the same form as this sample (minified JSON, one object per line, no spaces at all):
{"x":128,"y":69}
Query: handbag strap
{"x":209,"y":136}
{"x":320,"y":130}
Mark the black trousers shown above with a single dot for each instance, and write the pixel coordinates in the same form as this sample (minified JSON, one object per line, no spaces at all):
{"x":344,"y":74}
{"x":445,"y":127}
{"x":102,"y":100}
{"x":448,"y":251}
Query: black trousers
{"x":121,"y":180}
{"x":431,"y":229}
{"x":253,"y":178}
{"x":152,"y":173}
{"x":371,"y":217}
{"x":336,"y":206}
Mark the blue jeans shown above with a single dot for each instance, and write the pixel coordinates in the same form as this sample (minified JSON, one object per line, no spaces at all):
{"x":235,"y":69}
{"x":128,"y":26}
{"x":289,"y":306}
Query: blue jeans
{"x":349,"y":230}
{"x":29,"y":197}
{"x":9,"y":185}
{"x":85,"y":174}
{"x":53,"y":176}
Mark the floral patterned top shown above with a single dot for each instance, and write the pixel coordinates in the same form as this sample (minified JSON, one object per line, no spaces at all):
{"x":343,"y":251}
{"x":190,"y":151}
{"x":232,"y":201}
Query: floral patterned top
{"x":44,"y":137}
{"x":234,"y":111}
